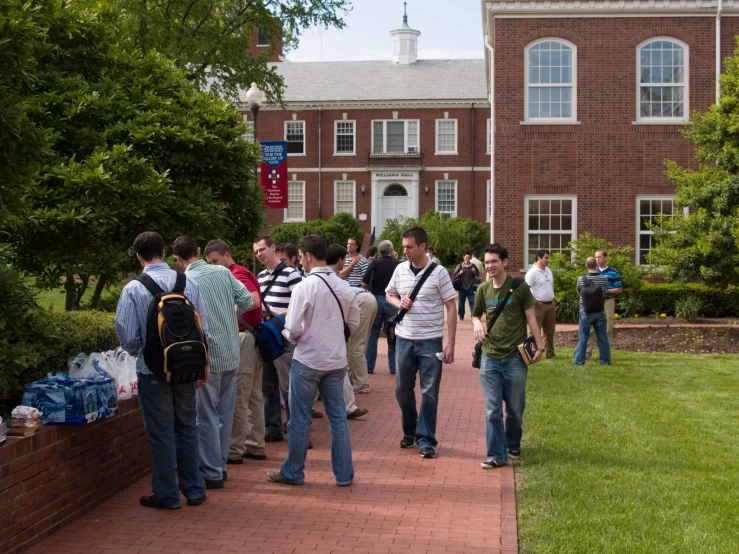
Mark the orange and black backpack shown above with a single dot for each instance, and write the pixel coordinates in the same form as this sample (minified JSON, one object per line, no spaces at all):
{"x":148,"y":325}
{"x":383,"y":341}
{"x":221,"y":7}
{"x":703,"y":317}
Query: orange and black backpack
{"x":176,"y":350}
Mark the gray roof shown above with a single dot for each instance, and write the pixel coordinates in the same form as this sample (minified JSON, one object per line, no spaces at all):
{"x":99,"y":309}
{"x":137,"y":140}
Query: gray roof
{"x":383,"y":80}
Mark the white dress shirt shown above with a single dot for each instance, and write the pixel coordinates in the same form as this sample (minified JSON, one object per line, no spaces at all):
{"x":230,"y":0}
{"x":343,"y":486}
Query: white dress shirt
{"x":541,"y":283}
{"x":314,"y":321}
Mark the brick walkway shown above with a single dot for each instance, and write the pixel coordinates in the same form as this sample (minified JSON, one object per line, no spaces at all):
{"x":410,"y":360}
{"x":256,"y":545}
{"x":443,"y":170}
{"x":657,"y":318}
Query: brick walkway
{"x":398,"y":502}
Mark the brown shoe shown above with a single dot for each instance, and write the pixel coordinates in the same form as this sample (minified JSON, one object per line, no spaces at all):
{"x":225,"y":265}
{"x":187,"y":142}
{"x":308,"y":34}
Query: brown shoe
{"x":315,"y":414}
{"x":276,"y":477}
{"x":358,"y":412}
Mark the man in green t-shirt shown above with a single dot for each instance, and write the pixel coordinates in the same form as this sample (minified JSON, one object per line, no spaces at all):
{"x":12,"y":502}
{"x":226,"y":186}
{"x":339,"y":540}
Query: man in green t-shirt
{"x":502,"y":370}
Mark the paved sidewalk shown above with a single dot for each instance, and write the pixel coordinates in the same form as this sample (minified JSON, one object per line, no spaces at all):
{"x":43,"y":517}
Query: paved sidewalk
{"x":399,"y":502}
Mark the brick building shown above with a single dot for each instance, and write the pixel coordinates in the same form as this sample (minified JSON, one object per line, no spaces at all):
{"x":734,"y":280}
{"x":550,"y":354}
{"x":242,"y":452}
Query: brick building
{"x":382,"y":139}
{"x":589,"y":98}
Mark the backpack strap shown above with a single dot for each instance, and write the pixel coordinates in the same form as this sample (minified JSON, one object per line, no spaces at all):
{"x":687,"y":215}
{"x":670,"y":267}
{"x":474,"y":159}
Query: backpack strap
{"x":416,"y":289}
{"x":179,"y":285}
{"x":516,"y":283}
{"x":150,"y":284}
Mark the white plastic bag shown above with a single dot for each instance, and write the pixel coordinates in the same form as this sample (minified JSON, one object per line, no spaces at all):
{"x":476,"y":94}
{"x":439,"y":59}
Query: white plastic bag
{"x":131,"y":360}
{"x":80,"y":366}
{"x":122,"y":374}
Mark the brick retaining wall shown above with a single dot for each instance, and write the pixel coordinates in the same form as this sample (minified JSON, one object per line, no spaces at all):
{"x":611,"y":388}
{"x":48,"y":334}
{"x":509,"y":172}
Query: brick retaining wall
{"x":62,"y":472}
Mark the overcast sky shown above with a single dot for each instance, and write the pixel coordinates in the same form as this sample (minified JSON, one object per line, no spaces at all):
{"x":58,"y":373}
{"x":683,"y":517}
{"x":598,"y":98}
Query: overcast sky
{"x":449,"y":29}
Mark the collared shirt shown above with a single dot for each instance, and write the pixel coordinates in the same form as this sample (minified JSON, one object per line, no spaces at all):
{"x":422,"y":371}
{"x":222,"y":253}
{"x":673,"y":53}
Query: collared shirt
{"x":614,"y":278}
{"x":221,"y":290}
{"x":541,"y":282}
{"x":355,"y":275}
{"x":133,"y":306}
{"x":378,"y":274}
{"x":314,"y":320}
{"x":253,"y":317}
{"x":278,"y":297}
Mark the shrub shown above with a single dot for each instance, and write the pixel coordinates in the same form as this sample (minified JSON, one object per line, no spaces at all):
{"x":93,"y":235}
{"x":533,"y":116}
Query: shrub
{"x":70,"y":333}
{"x":688,"y":308}
{"x":629,"y":305}
{"x":661,"y":298}
{"x":568,"y":309}
{"x":336,"y":230}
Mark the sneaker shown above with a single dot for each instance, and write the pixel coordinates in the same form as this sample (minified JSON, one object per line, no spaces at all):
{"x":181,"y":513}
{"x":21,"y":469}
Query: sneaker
{"x":427,"y":452}
{"x":407,"y":442}
{"x":515,"y":454}
{"x":491,"y":463}
{"x":361,"y":389}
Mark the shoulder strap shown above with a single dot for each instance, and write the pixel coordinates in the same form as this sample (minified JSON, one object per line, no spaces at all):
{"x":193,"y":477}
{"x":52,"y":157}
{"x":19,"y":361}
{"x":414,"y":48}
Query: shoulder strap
{"x":516,"y":283}
{"x":332,"y":292}
{"x":416,"y":289}
{"x":275,"y":274}
{"x":150,"y":284}
{"x":179,"y":285}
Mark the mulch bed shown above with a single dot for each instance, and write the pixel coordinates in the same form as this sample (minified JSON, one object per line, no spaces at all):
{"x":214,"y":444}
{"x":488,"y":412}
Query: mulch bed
{"x":694,"y":340}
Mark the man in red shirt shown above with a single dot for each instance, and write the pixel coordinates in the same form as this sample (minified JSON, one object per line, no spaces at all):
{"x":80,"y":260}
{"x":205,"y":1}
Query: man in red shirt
{"x":247,"y":435}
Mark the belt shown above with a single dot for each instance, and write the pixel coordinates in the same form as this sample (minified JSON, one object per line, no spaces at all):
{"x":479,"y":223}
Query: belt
{"x":550,"y":302}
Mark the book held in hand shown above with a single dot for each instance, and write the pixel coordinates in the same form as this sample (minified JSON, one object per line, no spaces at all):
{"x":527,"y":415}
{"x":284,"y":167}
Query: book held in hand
{"x":528,"y":350}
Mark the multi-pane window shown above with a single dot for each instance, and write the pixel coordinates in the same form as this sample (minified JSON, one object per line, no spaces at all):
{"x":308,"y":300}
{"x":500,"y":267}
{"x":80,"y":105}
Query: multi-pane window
{"x":295,"y":210}
{"x":344,"y":196}
{"x":344,"y":133}
{"x":295,"y":137}
{"x":394,"y":136}
{"x":550,"y":81}
{"x":261,"y":39}
{"x":249,"y":133}
{"x":490,"y":135}
{"x":446,"y":136}
{"x":446,"y":197}
{"x":662,"y":80}
{"x":550,"y":224}
{"x":648,"y":209}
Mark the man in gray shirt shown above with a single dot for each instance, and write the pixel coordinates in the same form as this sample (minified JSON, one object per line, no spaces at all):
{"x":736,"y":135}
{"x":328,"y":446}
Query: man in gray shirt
{"x":590,"y":318}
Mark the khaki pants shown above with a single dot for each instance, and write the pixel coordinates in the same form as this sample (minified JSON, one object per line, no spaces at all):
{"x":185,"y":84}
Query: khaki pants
{"x":546,"y":318}
{"x":357,"y":347}
{"x":247,"y":433}
{"x":610,"y":309}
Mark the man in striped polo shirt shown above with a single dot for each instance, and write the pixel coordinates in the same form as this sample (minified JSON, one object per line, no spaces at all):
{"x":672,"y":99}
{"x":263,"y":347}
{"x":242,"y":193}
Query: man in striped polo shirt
{"x":419,"y":339}
{"x":216,"y":401}
{"x":615,"y":287}
{"x":354,"y":265}
{"x":277,"y":283}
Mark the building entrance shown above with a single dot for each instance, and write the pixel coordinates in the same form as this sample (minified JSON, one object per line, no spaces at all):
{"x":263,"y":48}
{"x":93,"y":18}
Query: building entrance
{"x":395,"y":203}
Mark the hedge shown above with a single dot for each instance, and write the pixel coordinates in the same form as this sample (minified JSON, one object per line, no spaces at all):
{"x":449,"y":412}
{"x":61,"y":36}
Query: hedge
{"x":660,"y":298}
{"x":336,"y":230}
{"x":73,"y":332}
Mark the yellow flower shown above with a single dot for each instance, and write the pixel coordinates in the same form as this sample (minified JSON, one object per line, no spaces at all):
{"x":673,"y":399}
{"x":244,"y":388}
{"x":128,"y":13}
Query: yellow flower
{"x":636,"y":316}
{"x":616,"y":316}
{"x":663,"y":316}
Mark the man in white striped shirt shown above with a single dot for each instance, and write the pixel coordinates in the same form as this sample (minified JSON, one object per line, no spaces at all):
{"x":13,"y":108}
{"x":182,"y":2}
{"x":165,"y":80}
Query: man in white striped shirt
{"x":419,"y":339}
{"x":354,"y":265}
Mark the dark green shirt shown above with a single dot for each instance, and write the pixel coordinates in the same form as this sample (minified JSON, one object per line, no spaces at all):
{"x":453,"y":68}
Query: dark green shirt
{"x":510,"y":330}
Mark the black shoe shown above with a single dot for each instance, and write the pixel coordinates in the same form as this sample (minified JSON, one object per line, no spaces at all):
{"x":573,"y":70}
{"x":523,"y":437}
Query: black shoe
{"x":151,"y":502}
{"x":225,"y":475}
{"x":259,"y":457}
{"x":427,"y":452}
{"x":407,"y":442}
{"x":237,"y":461}
{"x":491,"y":463}
{"x":213,"y":483}
{"x":515,"y":454}
{"x":196,"y":501}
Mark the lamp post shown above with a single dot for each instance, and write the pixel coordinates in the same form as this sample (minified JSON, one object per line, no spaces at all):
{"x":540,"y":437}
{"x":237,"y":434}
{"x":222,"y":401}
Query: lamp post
{"x":255,"y":97}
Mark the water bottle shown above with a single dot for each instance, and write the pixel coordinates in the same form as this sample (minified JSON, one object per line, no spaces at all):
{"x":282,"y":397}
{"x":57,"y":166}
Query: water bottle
{"x":441,"y":356}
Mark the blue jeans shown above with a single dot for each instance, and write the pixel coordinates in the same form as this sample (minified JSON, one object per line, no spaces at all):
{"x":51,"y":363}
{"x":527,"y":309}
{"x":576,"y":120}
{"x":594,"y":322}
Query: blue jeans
{"x":599,"y":322}
{"x":275,"y":386}
{"x":171,"y":424}
{"x":304,"y":382}
{"x":385,"y":312}
{"x":503,"y":381}
{"x":216,"y":402}
{"x":418,"y":356}
{"x":469,"y":296}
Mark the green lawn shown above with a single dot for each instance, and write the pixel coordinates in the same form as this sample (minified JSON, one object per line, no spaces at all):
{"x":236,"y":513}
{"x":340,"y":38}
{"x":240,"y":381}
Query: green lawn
{"x":55,"y":299}
{"x":639,"y":456}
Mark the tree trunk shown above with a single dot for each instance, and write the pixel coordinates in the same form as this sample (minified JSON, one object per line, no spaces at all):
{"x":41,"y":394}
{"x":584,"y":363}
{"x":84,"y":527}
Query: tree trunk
{"x":70,"y":292}
{"x":103,"y":279}
{"x":81,"y":291}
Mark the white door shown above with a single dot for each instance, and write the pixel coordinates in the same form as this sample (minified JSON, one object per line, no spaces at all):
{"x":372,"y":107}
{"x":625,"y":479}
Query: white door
{"x":395,"y":203}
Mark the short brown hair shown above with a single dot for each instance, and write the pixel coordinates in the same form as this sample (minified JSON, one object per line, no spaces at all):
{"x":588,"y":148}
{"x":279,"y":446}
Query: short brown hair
{"x":315,"y":245}
{"x":289,"y":249}
{"x":267,"y":240}
{"x":185,"y":248}
{"x":418,"y":234}
{"x":149,"y":245}
{"x":217,"y":245}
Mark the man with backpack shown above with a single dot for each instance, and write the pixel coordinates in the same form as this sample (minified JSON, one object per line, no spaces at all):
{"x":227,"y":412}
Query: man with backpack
{"x":592,"y":290}
{"x":216,"y":401}
{"x":169,"y":410}
{"x":508,"y":306}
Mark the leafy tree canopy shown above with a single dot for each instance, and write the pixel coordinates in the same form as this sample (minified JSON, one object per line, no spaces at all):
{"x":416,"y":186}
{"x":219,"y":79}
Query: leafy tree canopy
{"x":705,"y":245}
{"x":209,"y":39}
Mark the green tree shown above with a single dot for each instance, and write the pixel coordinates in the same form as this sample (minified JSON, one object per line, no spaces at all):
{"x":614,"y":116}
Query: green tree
{"x":705,"y":245}
{"x":209,"y":39}
{"x":136,"y":146}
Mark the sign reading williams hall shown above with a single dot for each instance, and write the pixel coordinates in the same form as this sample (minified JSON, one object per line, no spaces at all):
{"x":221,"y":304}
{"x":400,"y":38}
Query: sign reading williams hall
{"x":274,"y":174}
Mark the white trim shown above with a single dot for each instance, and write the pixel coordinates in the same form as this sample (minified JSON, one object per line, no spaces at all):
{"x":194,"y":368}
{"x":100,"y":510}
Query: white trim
{"x":488,"y":204}
{"x":285,"y":219}
{"x":550,"y":120}
{"x":489,"y":138}
{"x":637,"y":216}
{"x":307,"y":105}
{"x":456,"y":196}
{"x":405,"y":122}
{"x":526,"y":199}
{"x":354,"y":196}
{"x":305,"y":149}
{"x":456,"y":134}
{"x":685,"y":85}
{"x":365,"y":169}
{"x":354,"y":136}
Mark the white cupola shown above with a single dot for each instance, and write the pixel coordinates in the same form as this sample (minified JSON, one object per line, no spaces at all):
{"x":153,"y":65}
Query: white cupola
{"x":405,"y":42}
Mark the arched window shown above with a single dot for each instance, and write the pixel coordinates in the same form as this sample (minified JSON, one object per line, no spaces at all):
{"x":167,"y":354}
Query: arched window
{"x":662,"y":73}
{"x":551,"y":81}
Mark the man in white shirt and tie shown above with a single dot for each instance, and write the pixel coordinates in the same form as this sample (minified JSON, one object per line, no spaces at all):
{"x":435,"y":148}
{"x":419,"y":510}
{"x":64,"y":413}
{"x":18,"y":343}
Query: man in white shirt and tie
{"x":320,"y":308}
{"x":541,"y":282}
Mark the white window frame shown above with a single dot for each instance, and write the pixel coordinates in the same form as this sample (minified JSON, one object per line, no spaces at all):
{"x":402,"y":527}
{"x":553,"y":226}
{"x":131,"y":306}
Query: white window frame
{"x":456,"y":196}
{"x":686,"y":83}
{"x":249,"y":135}
{"x":489,"y":136}
{"x":405,"y":134}
{"x":637,"y":212}
{"x":304,"y":136}
{"x":294,"y":219}
{"x":456,"y":134}
{"x":489,"y":203}
{"x":354,"y":137}
{"x":526,"y":220}
{"x":550,"y":120}
{"x":354,"y":196}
